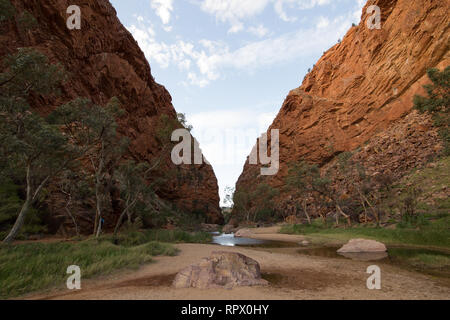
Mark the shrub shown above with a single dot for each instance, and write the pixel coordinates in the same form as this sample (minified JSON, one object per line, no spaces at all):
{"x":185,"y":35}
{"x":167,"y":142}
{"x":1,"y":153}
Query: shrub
{"x":7,"y":10}
{"x":27,"y":21}
{"x":437,"y":103}
{"x":10,"y":203}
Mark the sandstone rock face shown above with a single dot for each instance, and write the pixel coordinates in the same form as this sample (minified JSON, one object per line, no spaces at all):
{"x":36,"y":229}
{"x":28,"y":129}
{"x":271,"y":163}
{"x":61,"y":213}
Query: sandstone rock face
{"x":221,"y":270}
{"x":362,"y":245}
{"x":104,"y":61}
{"x":361,"y":89}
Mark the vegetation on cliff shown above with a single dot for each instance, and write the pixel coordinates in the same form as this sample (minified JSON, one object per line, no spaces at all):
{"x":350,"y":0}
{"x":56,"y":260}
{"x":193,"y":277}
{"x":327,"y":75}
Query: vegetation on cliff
{"x":76,"y":152}
{"x":437,"y":103}
{"x":350,"y":189}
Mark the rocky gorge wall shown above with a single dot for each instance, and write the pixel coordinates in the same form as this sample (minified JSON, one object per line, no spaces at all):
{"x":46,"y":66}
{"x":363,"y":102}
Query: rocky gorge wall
{"x":104,"y":61}
{"x":360,"y":93}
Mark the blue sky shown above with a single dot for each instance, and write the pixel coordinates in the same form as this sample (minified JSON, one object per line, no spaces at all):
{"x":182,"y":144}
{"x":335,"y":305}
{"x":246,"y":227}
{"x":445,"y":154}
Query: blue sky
{"x":229,"y":64}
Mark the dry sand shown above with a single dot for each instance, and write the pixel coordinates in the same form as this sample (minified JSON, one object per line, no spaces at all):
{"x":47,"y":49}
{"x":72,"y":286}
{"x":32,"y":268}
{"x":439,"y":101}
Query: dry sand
{"x":292,"y":276}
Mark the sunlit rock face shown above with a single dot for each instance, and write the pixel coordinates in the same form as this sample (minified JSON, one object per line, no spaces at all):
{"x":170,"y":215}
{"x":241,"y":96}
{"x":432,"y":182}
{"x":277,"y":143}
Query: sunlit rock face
{"x":362,"y":88}
{"x":104,"y":61}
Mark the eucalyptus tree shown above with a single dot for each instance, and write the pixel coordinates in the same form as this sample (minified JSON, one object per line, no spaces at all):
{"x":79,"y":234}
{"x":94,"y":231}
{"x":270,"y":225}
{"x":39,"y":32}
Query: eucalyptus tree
{"x":132,"y":178}
{"x":30,"y":147}
{"x":93,"y":129}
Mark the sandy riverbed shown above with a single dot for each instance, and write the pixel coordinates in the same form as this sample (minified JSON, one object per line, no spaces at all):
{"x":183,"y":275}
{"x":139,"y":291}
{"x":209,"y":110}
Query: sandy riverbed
{"x":292,"y":276}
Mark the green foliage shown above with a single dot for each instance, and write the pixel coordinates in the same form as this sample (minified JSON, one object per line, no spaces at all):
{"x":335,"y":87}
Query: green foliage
{"x":303,"y":177}
{"x":28,"y":141}
{"x":182,"y":119}
{"x":10,"y":204}
{"x":7,"y":10}
{"x":166,"y":125}
{"x":29,"y":267}
{"x":27,"y":71}
{"x":26,"y":138}
{"x":30,"y":147}
{"x":91,"y":127}
{"x":343,"y":160}
{"x":413,"y":221}
{"x":438,"y":92}
{"x":27,"y":21}
{"x":437,"y":103}
{"x":134,"y":238}
{"x":131,"y":177}
{"x":92,"y":130}
{"x":316,"y":226}
{"x":257,"y":205}
{"x":422,"y":190}
{"x":433,"y":232}
{"x":265,"y":214}
{"x":409,"y":202}
{"x":242,"y":203}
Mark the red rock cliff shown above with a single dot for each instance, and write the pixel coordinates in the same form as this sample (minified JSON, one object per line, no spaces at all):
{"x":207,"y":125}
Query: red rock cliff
{"x":105,"y":61}
{"x":361,"y":87}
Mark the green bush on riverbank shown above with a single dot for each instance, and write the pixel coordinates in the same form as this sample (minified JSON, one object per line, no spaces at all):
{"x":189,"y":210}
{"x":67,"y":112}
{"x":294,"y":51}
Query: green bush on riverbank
{"x":29,"y":267}
{"x":133,"y":238}
{"x":434,"y":233}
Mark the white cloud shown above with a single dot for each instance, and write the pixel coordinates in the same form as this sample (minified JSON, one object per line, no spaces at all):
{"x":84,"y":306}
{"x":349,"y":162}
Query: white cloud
{"x":163,"y":9}
{"x":227,"y":137}
{"x":233,"y":11}
{"x":259,"y":31}
{"x":154,"y":51}
{"x":323,"y":23}
{"x":268,"y":52}
{"x":205,"y":60}
{"x":211,"y":57}
{"x":358,"y":11}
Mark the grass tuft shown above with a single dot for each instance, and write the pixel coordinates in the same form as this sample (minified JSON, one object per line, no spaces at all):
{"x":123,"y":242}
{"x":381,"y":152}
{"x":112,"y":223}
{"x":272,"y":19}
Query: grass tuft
{"x":433,"y":233}
{"x":25,"y":268}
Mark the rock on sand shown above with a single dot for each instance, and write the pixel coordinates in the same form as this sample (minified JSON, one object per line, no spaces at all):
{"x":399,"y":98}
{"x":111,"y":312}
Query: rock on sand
{"x":221,"y":270}
{"x":362,"y":245}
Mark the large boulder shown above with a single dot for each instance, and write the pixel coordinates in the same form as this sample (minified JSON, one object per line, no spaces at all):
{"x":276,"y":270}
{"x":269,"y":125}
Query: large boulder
{"x":243,"y":233}
{"x":206,"y":227}
{"x":229,"y":228}
{"x":362,"y":245}
{"x":221,"y":270}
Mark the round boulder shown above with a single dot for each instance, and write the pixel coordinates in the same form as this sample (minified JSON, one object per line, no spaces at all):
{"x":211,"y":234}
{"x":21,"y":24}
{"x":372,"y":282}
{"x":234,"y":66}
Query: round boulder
{"x":362,"y":245}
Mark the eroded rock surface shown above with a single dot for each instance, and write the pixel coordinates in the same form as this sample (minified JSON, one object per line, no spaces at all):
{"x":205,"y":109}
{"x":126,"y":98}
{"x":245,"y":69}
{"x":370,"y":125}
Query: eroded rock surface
{"x":221,"y":270}
{"x":360,"y":91}
{"x":104,"y":61}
